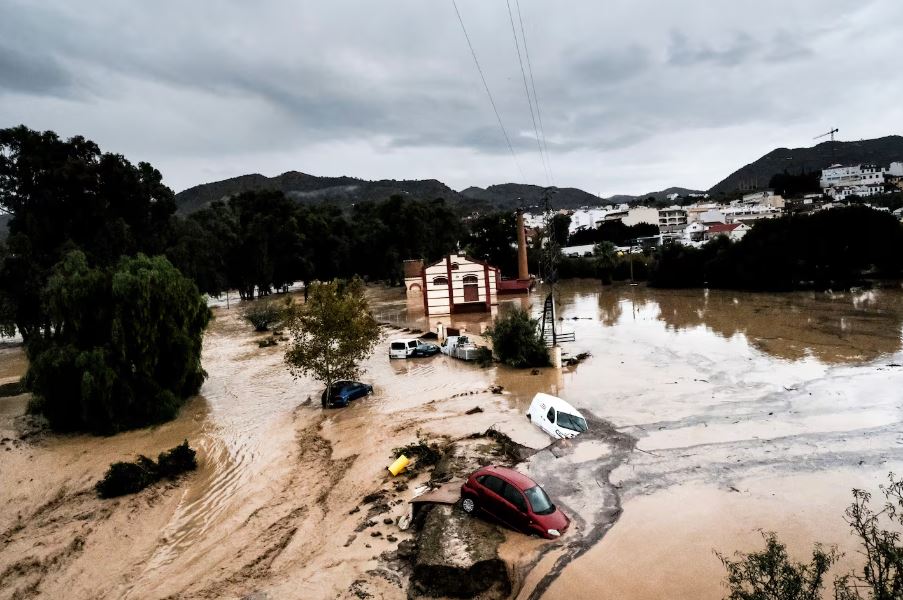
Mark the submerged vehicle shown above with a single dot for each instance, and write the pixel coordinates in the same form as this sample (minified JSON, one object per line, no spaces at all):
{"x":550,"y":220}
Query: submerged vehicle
{"x":460,"y":346}
{"x":411,"y":348}
{"x":556,"y":417}
{"x":514,"y":499}
{"x":343,"y":392}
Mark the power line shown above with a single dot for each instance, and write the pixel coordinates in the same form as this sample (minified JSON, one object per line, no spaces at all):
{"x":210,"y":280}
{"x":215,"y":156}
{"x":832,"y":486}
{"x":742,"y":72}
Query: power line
{"x":488,"y":93}
{"x":542,"y":130}
{"x":523,"y":73}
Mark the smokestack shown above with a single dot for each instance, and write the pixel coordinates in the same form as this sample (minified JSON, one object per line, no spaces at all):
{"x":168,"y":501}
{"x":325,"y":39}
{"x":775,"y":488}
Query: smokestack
{"x":523,"y":271}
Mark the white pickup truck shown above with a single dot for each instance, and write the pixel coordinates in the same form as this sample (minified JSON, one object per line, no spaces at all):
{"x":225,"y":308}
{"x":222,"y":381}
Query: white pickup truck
{"x":460,"y":346}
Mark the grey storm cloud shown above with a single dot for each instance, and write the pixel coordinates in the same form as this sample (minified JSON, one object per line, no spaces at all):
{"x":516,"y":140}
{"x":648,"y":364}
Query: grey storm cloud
{"x":206,"y":90}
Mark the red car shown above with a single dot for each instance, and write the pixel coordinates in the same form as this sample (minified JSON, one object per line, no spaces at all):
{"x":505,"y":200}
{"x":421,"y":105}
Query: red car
{"x":514,"y":499}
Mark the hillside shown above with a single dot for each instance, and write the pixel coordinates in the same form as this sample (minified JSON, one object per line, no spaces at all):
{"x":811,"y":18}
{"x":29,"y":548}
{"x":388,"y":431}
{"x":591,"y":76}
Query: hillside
{"x":881,"y":151}
{"x":508,"y":196}
{"x":660,"y":195}
{"x":340,"y":191}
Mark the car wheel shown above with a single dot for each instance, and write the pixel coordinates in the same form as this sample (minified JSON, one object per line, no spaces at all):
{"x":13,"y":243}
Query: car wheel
{"x":469,"y":505}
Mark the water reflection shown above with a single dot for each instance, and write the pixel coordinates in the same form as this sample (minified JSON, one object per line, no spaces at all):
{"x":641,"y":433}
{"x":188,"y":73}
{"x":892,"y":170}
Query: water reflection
{"x":832,"y":327}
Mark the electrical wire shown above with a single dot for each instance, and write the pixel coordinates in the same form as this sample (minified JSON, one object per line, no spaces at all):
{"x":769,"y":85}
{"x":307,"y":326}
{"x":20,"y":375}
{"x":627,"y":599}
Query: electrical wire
{"x":542,"y":131}
{"x":488,"y":93}
{"x":523,"y":73}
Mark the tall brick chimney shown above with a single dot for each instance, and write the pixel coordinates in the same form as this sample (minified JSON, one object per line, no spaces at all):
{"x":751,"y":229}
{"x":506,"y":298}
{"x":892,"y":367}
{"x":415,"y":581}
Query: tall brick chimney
{"x":523,"y":272}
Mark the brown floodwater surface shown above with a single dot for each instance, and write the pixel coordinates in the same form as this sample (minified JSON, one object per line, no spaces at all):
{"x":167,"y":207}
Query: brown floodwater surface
{"x":713,"y":414}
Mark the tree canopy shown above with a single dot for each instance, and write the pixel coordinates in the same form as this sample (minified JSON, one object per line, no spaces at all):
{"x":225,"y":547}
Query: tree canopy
{"x":125,"y":348}
{"x":331,"y":333}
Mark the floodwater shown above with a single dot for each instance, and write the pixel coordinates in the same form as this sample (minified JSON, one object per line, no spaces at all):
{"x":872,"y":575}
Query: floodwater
{"x":714,"y":414}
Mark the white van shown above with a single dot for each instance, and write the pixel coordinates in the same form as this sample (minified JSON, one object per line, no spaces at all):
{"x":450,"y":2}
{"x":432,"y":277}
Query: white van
{"x":556,"y":417}
{"x":411,"y":348}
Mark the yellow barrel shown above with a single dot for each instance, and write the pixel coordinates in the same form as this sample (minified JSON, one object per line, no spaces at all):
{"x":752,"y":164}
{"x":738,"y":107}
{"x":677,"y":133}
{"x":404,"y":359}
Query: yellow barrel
{"x":399,"y":465}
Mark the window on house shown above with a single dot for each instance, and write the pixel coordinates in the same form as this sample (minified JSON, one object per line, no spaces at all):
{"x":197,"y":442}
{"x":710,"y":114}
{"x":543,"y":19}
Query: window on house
{"x":471,"y":279}
{"x":454,"y":266}
{"x":440,"y":281}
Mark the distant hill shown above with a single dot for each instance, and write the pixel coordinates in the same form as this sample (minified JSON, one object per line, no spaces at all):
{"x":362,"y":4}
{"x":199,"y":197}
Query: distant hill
{"x":508,"y":196}
{"x":881,"y":151}
{"x":340,"y":191}
{"x":346,"y":191}
{"x":660,"y":195}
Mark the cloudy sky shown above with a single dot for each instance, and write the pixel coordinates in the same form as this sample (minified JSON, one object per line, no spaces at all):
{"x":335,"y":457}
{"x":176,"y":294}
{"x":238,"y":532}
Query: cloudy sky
{"x":635,"y":95}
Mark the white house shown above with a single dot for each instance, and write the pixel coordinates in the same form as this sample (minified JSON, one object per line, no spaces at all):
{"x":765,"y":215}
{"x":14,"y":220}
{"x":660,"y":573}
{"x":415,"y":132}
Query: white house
{"x":454,"y":284}
{"x":734,"y":231}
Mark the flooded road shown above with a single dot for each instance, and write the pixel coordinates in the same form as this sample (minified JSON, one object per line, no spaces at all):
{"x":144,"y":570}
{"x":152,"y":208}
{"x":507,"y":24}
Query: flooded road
{"x":714,"y":414}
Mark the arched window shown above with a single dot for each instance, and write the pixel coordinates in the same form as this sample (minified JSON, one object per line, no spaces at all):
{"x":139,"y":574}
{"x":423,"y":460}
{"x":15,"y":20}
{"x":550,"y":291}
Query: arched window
{"x":454,"y":266}
{"x":471,"y":279}
{"x":440,"y":281}
{"x":415,"y":288}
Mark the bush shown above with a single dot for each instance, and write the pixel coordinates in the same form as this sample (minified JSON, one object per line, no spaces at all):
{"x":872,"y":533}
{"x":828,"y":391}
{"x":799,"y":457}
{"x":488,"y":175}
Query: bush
{"x":176,"y":461}
{"x":263,"y":314}
{"x":126,"y":351}
{"x":131,"y":477}
{"x":771,"y":575}
{"x":517,"y":341}
{"x":127,"y":478}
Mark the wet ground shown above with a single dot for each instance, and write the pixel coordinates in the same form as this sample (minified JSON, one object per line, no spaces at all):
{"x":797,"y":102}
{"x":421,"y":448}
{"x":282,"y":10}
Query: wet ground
{"x":714,"y":414}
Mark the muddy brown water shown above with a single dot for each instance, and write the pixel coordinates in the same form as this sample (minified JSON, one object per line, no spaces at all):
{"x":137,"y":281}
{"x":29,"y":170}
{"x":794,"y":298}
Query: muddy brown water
{"x":715,"y":414}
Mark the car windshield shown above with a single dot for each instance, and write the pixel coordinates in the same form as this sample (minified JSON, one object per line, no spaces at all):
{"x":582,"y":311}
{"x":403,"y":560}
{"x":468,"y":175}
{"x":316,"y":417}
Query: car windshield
{"x":572,"y":422}
{"x":539,"y":501}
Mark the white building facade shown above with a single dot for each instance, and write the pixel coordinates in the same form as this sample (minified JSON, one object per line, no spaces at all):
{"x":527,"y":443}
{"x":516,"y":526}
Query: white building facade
{"x":454,"y":284}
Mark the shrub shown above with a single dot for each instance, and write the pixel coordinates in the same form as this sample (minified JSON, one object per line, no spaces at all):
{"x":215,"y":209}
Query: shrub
{"x":263,"y":314}
{"x":127,"y":478}
{"x":771,"y":575}
{"x":517,"y":341}
{"x":176,"y":461}
{"x":131,"y":477}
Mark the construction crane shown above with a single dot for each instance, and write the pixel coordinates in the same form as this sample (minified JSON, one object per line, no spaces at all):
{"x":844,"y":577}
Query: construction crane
{"x":831,"y":133}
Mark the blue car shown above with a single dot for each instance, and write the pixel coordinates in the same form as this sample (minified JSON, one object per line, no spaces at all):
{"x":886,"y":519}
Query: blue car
{"x":343,"y":392}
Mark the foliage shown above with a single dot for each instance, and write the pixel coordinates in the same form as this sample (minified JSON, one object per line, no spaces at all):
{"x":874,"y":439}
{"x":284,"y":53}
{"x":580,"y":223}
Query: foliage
{"x":771,"y":575}
{"x":263,"y":314}
{"x":882,"y":575}
{"x":397,"y":229}
{"x":517,"y":341}
{"x":177,"y":460}
{"x":828,"y":249}
{"x":262,"y":241}
{"x":493,"y":238}
{"x":130,"y":477}
{"x":559,"y":225}
{"x":66,"y":194}
{"x":331,"y":333}
{"x":615,"y":232}
{"x":793,"y":186}
{"x":126,"y":345}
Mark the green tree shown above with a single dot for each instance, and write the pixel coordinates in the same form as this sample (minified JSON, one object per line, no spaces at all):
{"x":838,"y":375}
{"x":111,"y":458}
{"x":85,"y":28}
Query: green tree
{"x":517,"y":341}
{"x":65,"y":194}
{"x":493,"y":238}
{"x":331,"y":333}
{"x":560,"y":225}
{"x":771,"y":575}
{"x":125,"y":347}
